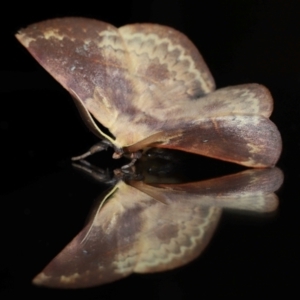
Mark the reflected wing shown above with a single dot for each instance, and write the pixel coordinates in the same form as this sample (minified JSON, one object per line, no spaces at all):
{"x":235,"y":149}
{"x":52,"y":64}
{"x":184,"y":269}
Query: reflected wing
{"x":131,"y":233}
{"x":129,"y":78}
{"x":250,"y":190}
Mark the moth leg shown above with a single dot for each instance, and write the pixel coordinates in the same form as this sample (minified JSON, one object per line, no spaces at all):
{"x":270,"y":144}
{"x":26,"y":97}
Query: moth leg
{"x":126,"y":168}
{"x":134,"y":157}
{"x":101,"y":175}
{"x":102,"y":145}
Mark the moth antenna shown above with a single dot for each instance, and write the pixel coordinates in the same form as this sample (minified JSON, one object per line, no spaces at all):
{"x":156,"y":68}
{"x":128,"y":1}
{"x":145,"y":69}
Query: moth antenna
{"x":97,"y":212}
{"x":100,"y":146}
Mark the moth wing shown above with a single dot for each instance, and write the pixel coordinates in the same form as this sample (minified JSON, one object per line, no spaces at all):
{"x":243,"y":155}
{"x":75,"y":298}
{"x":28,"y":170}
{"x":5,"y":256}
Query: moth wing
{"x":132,"y":232}
{"x":123,"y":77}
{"x":82,"y":55}
{"x":246,"y":140}
{"x":244,"y":99}
{"x":249,"y":140}
{"x":250,"y":190}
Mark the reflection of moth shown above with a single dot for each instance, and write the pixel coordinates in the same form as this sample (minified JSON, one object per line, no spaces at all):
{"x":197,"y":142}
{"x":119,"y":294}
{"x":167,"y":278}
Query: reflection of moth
{"x":149,"y":86}
{"x":146,"y":228}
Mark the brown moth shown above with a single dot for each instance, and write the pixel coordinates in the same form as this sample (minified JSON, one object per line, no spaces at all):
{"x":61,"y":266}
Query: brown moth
{"x":150,"y":87}
{"x":138,"y":227}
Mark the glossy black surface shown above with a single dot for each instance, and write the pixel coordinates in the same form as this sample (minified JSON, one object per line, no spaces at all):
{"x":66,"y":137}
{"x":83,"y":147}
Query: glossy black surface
{"x":44,"y":202}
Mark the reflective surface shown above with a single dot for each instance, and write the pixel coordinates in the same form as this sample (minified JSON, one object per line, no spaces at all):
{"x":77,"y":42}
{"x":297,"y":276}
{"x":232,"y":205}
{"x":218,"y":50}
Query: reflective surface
{"x":45,"y":202}
{"x":145,"y":228}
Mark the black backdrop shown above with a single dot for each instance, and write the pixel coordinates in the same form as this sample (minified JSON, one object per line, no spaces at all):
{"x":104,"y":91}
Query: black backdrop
{"x":44,"y":202}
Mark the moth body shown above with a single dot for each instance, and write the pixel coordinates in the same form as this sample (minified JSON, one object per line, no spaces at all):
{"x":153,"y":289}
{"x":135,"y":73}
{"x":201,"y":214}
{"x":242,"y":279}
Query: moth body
{"x":150,"y":87}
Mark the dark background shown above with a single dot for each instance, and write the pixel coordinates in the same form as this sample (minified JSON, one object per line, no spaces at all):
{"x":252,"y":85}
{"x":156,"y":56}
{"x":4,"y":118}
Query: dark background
{"x":44,"y":201}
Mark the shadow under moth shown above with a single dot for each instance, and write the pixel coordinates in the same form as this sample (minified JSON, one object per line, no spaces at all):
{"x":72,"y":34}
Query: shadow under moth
{"x":142,"y":227}
{"x":150,"y":87}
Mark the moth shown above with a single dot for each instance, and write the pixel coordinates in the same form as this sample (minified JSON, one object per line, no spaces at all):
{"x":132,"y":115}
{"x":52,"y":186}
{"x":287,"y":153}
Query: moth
{"x":145,"y":227}
{"x":150,"y":87}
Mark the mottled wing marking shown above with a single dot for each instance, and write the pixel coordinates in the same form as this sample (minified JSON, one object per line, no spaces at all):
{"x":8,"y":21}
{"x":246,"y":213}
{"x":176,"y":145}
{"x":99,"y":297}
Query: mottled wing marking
{"x":170,"y":236}
{"x":131,"y":233}
{"x":246,"y":99}
{"x":177,"y":236}
{"x":167,"y":60}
